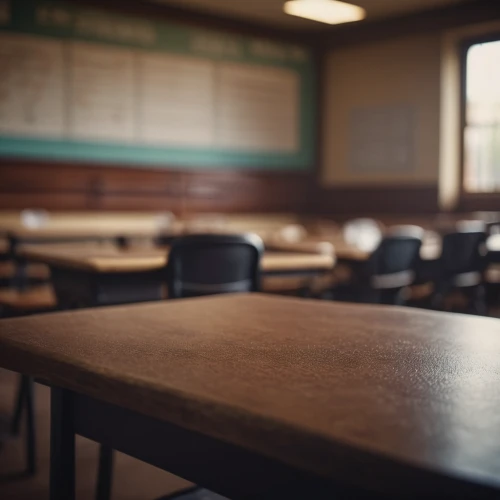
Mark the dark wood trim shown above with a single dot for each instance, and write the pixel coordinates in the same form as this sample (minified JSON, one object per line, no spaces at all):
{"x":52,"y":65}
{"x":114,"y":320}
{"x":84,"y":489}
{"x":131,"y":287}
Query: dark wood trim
{"x":72,"y":186}
{"x":472,"y":201}
{"x":69,"y":186}
{"x":479,"y":202}
{"x":427,"y":21}
{"x":373,"y":199}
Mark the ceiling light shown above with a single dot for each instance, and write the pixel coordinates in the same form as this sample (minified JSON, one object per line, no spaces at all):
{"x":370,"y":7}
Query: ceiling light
{"x":325,"y":11}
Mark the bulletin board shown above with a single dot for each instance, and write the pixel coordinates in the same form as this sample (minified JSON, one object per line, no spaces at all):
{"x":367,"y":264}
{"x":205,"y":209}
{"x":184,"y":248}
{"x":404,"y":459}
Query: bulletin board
{"x":382,"y":139}
{"x":80,"y":83}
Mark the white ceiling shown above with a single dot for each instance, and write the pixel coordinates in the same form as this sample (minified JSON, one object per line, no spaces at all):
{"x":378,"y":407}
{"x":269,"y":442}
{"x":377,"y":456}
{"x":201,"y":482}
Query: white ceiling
{"x":271,"y":11}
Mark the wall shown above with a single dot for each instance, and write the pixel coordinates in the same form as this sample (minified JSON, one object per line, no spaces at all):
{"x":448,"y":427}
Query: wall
{"x":402,"y":71}
{"x":100,"y":185}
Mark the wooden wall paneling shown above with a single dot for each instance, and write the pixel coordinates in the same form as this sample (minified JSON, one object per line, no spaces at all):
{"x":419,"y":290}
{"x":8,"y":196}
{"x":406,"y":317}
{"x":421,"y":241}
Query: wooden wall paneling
{"x":46,"y":200}
{"x":366,"y":200}
{"x":26,"y":184}
{"x":67,"y":186}
{"x":137,"y":189}
{"x":480,"y":202}
{"x":246,"y":192}
{"x":27,"y":175}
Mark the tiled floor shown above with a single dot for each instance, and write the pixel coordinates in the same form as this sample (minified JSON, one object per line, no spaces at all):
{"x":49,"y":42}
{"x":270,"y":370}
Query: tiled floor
{"x":133,"y":480}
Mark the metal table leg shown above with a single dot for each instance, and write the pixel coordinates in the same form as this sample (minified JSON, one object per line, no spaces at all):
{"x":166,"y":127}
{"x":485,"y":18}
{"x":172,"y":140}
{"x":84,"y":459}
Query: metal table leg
{"x":62,"y":445}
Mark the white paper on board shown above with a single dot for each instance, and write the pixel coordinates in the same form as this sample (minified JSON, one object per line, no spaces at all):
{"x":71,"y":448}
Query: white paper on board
{"x":101,"y":93}
{"x":31,"y":86}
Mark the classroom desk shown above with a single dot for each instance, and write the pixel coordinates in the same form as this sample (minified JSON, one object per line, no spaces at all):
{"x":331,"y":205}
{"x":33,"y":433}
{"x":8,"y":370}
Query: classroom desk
{"x":102,"y":276}
{"x":120,"y":233}
{"x":77,"y":230}
{"x":430,"y":250}
{"x":265,"y":397}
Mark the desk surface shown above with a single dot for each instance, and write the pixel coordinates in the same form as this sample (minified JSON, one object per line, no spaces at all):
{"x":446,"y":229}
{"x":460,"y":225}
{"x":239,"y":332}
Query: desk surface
{"x":335,"y":243}
{"x":102,"y":231}
{"x":430,"y":250}
{"x":382,"y":397}
{"x":87,"y":225}
{"x":109,"y":259}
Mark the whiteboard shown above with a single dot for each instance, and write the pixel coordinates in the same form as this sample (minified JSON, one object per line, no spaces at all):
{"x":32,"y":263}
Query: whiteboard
{"x":84,"y":84}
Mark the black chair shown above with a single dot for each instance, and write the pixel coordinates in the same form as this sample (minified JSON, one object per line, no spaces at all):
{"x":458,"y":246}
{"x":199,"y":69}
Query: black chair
{"x":214,"y":263}
{"x":391,"y":267}
{"x":389,"y":270}
{"x":461,"y":266}
{"x":204,"y":264}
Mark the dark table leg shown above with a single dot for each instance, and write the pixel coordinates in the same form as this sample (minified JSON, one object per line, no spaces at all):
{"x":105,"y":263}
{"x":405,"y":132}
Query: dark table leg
{"x":25,"y":399}
{"x":18,"y":411}
{"x":62,"y":445}
{"x":30,"y":426}
{"x":105,"y":473}
{"x":19,"y":279}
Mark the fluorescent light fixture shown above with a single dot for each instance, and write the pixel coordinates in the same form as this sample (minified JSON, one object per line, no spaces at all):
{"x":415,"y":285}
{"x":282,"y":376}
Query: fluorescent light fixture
{"x":325,"y":11}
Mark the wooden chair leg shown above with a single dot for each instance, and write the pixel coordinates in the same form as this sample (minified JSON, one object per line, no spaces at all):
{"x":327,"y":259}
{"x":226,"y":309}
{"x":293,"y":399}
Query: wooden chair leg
{"x":104,"y":473}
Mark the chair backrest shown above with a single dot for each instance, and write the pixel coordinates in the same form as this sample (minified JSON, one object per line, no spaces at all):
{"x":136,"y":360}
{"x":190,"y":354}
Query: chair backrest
{"x":392,"y":265}
{"x":396,"y":253}
{"x":208,"y":264}
{"x":463,"y":252}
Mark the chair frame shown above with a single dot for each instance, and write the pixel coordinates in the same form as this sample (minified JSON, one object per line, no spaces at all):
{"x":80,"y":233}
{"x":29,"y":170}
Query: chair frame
{"x":250,"y":240}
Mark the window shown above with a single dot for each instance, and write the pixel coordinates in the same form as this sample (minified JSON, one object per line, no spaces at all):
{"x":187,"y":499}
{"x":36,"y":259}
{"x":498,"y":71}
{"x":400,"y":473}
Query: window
{"x":481,"y":153}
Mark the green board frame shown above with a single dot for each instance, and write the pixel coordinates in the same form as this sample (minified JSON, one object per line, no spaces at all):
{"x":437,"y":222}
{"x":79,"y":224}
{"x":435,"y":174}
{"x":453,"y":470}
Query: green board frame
{"x":69,"y":21}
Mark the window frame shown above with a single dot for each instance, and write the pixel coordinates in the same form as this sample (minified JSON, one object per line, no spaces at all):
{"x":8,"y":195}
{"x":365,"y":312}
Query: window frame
{"x":469,"y":202}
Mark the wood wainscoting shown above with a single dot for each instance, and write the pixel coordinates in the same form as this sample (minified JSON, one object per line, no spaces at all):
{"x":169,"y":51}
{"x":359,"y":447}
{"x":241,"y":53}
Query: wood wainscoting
{"x":69,"y":186}
{"x":375,"y":199}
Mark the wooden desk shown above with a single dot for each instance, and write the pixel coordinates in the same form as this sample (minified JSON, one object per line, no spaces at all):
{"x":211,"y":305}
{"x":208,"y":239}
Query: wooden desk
{"x":88,"y":276}
{"x":82,"y":229}
{"x":336,"y":244}
{"x":431,"y":249}
{"x":263,"y":397}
